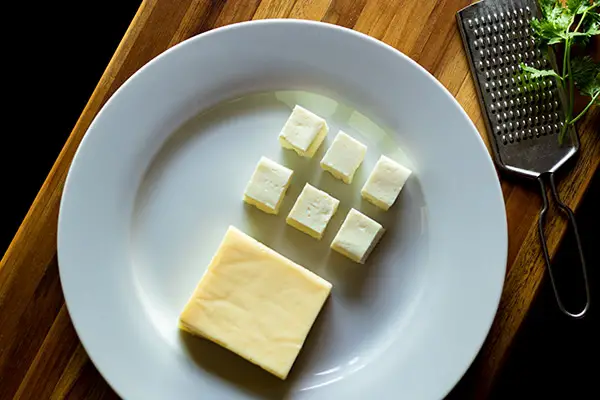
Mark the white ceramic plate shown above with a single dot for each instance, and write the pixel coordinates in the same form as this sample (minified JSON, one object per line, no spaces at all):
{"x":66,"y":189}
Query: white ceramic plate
{"x":160,"y":175}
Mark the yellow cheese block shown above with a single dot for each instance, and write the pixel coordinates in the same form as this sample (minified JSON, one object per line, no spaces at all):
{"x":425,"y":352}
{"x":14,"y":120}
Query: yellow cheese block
{"x":256,"y":303}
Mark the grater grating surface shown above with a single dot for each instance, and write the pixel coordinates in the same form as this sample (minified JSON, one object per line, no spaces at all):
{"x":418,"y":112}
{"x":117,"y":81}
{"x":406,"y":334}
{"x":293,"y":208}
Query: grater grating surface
{"x":523,"y":116}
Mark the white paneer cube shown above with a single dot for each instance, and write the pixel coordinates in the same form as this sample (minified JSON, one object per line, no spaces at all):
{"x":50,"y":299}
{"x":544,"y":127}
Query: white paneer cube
{"x":312,"y":211}
{"x":385,"y":182}
{"x":268,"y":185}
{"x":303,"y":132}
{"x":357,"y":237}
{"x":344,"y":157}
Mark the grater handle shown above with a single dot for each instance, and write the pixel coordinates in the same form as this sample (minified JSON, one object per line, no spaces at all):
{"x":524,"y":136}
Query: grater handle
{"x":571,"y":216}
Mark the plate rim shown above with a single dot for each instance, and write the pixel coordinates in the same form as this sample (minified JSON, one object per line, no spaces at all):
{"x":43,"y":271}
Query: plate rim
{"x":205,"y":35}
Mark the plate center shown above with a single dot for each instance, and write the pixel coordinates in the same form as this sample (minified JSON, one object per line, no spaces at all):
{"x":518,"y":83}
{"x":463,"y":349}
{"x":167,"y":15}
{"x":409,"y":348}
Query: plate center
{"x":192,"y":191}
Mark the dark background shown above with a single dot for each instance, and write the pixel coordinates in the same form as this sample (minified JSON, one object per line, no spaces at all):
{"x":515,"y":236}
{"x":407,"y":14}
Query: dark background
{"x":52,"y":66}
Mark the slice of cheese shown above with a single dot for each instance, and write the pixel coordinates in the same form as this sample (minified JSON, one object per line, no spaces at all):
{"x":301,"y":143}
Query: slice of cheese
{"x":344,"y":157}
{"x":268,"y":185}
{"x":385,"y":182}
{"x":357,"y":236}
{"x":312,"y":211}
{"x":256,"y":303}
{"x":303,"y":132}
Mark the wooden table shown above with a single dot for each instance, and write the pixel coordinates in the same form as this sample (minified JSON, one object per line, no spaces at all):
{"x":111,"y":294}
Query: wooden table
{"x":40,"y":354}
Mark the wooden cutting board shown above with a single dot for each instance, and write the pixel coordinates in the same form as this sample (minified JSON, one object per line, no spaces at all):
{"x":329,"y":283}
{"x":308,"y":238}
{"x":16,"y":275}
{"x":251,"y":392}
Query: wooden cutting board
{"x":40,"y":354}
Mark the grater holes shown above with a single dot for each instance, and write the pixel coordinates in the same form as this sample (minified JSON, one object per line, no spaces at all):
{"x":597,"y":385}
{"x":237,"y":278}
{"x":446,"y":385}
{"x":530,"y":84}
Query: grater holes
{"x":520,"y":107}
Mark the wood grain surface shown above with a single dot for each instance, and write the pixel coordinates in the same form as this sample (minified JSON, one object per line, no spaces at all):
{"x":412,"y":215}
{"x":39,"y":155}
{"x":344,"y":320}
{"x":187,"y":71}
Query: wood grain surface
{"x":40,"y":355}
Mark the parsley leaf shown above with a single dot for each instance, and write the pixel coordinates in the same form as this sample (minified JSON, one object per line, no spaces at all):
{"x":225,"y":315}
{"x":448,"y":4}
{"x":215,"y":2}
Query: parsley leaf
{"x":538,"y":73}
{"x":570,"y":24}
{"x":586,"y":74}
{"x":577,"y":6}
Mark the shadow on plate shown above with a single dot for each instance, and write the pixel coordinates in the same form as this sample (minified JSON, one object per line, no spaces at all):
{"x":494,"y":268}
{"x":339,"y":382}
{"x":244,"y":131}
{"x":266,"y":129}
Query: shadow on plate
{"x":230,"y":367}
{"x":244,"y":375}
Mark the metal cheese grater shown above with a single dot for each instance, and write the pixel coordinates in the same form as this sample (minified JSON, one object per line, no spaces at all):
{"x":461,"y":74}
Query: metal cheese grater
{"x":523,"y":116}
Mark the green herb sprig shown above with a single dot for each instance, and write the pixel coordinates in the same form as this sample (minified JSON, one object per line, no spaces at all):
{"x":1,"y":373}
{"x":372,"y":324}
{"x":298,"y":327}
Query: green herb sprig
{"x":570,"y":24}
